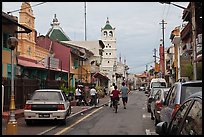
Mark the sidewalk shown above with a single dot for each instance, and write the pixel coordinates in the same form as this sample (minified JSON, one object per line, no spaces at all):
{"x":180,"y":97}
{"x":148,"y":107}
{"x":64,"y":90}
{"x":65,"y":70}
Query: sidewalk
{"x":75,"y":111}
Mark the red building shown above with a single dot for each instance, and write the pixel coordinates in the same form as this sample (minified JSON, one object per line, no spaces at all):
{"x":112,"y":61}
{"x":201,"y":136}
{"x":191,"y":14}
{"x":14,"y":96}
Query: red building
{"x":162,"y":64}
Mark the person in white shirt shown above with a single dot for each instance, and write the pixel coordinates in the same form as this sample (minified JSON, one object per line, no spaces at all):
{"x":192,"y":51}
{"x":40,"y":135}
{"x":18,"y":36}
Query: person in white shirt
{"x":111,"y":89}
{"x":93,"y":96}
{"x":78,"y":95}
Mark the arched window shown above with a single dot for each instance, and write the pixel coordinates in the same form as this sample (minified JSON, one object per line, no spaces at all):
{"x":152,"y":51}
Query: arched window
{"x":105,"y":33}
{"x":110,"y":33}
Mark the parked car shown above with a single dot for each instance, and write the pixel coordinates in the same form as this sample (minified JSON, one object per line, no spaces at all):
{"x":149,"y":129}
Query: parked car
{"x":187,"y":119}
{"x":157,"y":102}
{"x":50,"y":104}
{"x":158,"y":82}
{"x":151,"y":98}
{"x":177,"y":94}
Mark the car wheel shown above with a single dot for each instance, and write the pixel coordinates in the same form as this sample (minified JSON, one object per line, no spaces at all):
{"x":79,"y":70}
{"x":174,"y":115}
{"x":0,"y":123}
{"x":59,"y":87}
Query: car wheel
{"x":28,"y":122}
{"x":69,"y":110}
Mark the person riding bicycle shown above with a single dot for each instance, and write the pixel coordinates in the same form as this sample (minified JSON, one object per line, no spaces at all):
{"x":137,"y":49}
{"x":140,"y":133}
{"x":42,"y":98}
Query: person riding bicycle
{"x":115,"y":96}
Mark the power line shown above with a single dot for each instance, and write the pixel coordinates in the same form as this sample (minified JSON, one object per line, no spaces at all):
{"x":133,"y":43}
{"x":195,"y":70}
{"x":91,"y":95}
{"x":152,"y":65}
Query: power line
{"x":141,"y":65}
{"x":25,"y":8}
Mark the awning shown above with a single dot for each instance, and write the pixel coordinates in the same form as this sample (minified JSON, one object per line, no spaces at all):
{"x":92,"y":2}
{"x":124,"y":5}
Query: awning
{"x":36,"y":65}
{"x":100,"y":76}
{"x":29,"y":64}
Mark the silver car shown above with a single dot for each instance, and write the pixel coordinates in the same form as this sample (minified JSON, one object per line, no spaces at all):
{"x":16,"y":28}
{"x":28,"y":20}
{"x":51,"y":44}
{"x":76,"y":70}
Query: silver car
{"x":177,"y":94}
{"x":51,"y":104}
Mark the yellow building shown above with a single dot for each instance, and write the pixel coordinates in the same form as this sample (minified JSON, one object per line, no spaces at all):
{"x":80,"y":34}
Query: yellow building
{"x":10,"y":29}
{"x":26,"y":46}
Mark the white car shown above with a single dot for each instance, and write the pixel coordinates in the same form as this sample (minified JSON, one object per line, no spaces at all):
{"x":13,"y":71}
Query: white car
{"x":44,"y":104}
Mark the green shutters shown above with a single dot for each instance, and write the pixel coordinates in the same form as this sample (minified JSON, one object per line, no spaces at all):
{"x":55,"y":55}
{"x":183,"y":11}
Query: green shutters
{"x":75,"y":64}
{"x":9,"y":71}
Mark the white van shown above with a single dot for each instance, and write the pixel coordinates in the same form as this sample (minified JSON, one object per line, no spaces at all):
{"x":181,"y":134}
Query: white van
{"x":158,"y":82}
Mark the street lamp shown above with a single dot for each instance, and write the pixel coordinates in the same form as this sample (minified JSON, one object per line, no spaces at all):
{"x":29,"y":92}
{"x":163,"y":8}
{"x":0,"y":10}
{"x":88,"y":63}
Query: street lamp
{"x":11,"y":128}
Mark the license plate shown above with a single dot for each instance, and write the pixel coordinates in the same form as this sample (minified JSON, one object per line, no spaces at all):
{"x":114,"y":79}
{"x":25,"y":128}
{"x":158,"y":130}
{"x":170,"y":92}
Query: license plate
{"x":44,"y":115}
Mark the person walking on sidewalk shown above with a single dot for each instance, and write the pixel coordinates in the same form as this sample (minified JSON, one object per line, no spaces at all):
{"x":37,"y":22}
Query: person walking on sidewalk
{"x":124,"y":91}
{"x":93,"y":96}
{"x":78,"y":95}
{"x":110,"y":94}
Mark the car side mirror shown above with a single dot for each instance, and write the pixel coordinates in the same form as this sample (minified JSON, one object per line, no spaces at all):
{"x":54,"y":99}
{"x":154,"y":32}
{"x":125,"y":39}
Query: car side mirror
{"x":161,"y":128}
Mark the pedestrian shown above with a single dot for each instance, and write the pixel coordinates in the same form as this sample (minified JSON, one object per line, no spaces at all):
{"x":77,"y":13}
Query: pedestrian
{"x":78,"y":95}
{"x":104,"y":90}
{"x":110,"y":94}
{"x":124,"y":91}
{"x":83,"y":95}
{"x":115,"y":97}
{"x":93,"y":96}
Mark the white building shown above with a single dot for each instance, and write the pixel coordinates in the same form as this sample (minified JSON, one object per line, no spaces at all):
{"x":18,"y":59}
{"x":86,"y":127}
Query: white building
{"x":109,"y":61}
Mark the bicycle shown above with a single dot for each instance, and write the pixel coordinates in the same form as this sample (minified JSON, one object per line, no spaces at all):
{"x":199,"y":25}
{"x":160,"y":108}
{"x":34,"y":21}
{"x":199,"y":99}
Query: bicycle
{"x":115,"y":105}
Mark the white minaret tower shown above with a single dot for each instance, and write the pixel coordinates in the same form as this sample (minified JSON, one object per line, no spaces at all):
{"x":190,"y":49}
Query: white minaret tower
{"x":109,"y":55}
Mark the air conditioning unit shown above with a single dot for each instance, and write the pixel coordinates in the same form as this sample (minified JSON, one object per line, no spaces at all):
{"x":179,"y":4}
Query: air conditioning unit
{"x":188,"y":46}
{"x":199,"y":47}
{"x":199,"y":38}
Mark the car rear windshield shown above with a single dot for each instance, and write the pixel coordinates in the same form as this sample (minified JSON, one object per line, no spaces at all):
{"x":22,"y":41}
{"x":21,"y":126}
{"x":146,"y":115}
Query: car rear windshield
{"x":189,"y":89}
{"x":47,"y":95}
{"x":158,"y":84}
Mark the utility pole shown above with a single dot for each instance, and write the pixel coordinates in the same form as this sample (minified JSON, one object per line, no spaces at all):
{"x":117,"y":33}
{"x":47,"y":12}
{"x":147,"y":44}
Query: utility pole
{"x":193,"y":21}
{"x":85,"y":18}
{"x":155,"y":61}
{"x":163,"y":23}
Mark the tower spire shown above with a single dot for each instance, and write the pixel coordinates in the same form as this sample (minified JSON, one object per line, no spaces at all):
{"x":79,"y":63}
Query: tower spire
{"x":107,"y":22}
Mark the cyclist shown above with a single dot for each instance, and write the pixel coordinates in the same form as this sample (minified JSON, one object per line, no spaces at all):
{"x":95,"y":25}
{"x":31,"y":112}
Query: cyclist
{"x":115,"y":97}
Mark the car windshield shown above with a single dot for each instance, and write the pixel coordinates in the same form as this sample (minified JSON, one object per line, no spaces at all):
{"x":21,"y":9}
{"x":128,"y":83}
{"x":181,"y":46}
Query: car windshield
{"x":158,"y":84}
{"x":189,"y":89}
{"x":47,"y":95}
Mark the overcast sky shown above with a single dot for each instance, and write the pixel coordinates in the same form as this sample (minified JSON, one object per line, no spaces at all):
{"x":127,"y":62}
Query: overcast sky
{"x":138,"y":29}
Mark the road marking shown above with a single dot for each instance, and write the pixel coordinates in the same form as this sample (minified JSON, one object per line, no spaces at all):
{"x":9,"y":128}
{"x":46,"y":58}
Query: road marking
{"x":67,"y":128}
{"x":47,"y":130}
{"x":146,"y":116}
